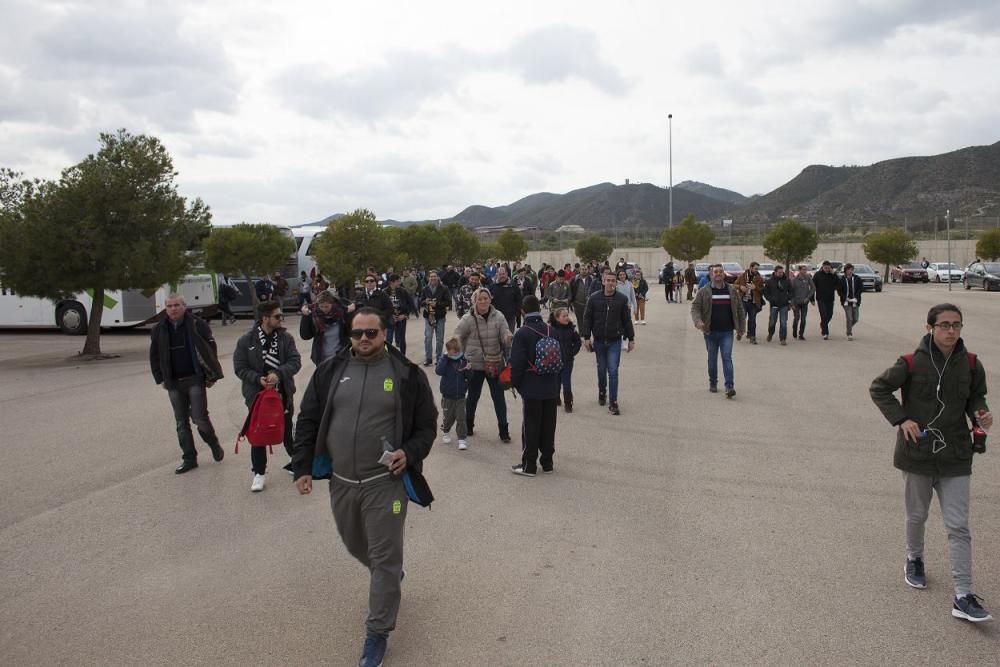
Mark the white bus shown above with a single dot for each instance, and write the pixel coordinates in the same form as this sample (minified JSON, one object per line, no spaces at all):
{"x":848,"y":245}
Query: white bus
{"x":128,"y":308}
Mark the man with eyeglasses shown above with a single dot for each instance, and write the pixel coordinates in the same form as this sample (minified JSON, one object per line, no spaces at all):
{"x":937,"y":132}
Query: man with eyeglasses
{"x":943,"y":389}
{"x":266,"y":358}
{"x":372,"y":412}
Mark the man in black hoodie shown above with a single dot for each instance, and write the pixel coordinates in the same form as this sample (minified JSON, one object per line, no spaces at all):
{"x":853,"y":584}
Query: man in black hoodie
{"x":778,"y":292}
{"x":826,"y":282}
{"x":184,"y":361}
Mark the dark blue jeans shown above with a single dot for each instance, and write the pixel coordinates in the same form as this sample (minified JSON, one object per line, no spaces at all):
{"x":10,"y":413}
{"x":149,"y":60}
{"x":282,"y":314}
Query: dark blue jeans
{"x":397,"y":333}
{"x":825,"y":315}
{"x":609,"y":356}
{"x":720,"y":342}
{"x":776,"y":314}
{"x":476,"y":390}
{"x":752,"y":311}
{"x":566,"y":377}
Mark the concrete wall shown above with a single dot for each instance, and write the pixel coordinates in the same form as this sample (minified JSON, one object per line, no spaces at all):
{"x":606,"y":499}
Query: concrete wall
{"x":650,"y":259}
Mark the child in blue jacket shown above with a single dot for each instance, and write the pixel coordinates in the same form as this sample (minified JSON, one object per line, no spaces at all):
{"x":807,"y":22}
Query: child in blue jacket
{"x":453,"y":369}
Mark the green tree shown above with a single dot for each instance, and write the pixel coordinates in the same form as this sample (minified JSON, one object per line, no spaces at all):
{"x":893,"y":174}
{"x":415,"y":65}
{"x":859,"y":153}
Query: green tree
{"x":890,"y":246}
{"x":511,"y":246}
{"x":425,"y":245}
{"x":594,"y":249}
{"x":113,"y":221}
{"x":247,"y":250}
{"x":350,"y":244}
{"x":488,"y":251}
{"x":463,"y":245}
{"x":689,"y":240}
{"x":988,"y":246}
{"x":790,"y":241}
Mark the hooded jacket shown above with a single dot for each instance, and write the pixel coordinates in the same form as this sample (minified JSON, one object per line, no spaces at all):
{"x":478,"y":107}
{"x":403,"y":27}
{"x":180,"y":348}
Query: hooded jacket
{"x":482,"y":336}
{"x":963,"y":392}
{"x":778,"y":291}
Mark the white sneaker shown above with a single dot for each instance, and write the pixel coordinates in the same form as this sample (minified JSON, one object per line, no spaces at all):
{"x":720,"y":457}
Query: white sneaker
{"x":462,"y":445}
{"x":642,"y":321}
{"x":258,"y":483}
{"x":446,"y":438}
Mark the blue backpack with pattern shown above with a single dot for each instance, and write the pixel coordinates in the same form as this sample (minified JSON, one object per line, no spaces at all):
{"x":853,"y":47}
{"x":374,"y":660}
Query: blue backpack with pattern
{"x":548,"y":353}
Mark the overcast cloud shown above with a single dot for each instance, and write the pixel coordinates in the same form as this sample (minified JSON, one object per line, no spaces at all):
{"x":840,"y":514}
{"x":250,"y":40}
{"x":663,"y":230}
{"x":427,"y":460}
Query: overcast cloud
{"x":291,"y":112}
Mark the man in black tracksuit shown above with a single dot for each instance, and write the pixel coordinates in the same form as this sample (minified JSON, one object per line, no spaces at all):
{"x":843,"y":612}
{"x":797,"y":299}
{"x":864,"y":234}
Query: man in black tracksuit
{"x":778,"y":292}
{"x":825,"y":281}
{"x":506,"y":297}
{"x":539,"y":393}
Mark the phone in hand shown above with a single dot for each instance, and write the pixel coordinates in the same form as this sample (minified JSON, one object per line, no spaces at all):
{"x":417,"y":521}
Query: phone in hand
{"x":386,"y":459}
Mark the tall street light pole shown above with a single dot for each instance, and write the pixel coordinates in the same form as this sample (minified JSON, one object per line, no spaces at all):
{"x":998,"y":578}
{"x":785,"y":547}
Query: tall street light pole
{"x":947,"y":218}
{"x":670,"y":160}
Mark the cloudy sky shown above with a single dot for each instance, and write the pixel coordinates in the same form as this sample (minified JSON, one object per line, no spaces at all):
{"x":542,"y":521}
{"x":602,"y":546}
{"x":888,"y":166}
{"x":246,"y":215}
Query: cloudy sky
{"x":288,"y":111}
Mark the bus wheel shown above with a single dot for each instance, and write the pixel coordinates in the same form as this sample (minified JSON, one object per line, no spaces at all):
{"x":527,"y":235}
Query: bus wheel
{"x":72,"y":319}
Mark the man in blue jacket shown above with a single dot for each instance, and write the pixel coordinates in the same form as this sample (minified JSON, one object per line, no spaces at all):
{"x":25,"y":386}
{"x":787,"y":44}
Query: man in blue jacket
{"x":539,"y":393}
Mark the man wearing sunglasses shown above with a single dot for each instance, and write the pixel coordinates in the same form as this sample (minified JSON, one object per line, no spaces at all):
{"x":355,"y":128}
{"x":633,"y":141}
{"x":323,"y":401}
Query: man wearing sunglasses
{"x":372,"y":412}
{"x":943,"y":389}
{"x":266,"y":357}
{"x":370,"y":296}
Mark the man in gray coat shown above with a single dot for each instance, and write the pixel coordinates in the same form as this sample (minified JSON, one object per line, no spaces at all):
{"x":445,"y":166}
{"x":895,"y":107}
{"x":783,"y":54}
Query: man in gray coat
{"x":803,"y":293}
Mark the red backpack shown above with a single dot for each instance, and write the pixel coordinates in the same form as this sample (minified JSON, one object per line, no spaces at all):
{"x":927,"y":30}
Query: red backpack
{"x":265,"y":424}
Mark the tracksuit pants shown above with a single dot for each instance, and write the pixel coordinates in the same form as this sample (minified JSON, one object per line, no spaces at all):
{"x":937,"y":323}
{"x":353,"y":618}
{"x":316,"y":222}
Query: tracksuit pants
{"x":538,"y":433}
{"x":370,"y":519}
{"x":953,"y":495}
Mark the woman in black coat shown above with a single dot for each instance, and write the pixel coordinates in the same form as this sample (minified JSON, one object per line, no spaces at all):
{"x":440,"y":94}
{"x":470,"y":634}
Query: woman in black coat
{"x":325,"y":324}
{"x":565,"y":332}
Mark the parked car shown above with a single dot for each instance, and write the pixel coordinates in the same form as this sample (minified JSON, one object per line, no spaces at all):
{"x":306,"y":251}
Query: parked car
{"x":982,"y":274}
{"x":733,"y":271}
{"x":701,"y":269}
{"x":943,"y":271}
{"x":870,"y":278}
{"x":838,"y":267}
{"x":765,"y":270}
{"x":908,"y":273}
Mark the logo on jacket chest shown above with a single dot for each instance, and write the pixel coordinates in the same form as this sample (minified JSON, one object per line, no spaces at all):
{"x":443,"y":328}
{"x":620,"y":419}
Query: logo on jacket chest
{"x":387,"y":384}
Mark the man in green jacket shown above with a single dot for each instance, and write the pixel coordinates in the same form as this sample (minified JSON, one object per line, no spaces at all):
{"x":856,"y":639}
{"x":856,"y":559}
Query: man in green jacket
{"x":943,"y":388}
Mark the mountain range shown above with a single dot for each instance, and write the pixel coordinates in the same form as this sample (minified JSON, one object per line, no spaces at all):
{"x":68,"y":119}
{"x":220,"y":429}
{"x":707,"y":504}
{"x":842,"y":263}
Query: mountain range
{"x":965,"y":181}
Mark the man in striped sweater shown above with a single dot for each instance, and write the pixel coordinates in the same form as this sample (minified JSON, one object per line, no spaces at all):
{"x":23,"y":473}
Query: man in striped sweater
{"x":717,"y":310}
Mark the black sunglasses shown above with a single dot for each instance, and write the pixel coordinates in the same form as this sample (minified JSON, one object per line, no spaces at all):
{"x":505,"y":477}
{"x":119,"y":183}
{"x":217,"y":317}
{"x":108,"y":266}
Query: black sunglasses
{"x":370,"y":334}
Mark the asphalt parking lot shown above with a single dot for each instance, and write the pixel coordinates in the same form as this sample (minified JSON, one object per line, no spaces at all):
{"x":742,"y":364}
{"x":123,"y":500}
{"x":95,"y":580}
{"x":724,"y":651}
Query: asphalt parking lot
{"x":692,"y":529}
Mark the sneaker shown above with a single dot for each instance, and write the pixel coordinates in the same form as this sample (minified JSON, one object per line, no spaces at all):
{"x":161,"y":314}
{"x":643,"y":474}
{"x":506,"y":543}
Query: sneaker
{"x":714,"y":389}
{"x":613,"y":408}
{"x":753,"y":341}
{"x":784,"y":342}
{"x":373,"y":651}
{"x":217,"y":452}
{"x":850,"y":338}
{"x":826,"y":336}
{"x":914,"y":572}
{"x":428,"y":362}
{"x":518,"y":469}
{"x":730,"y":392}
{"x":462,"y":446}
{"x":769,"y":337}
{"x":968,"y":608}
{"x":642,"y":321}
{"x":258,"y":483}
{"x":446,"y":438}
{"x":602,"y":399}
{"x":288,"y":468}
{"x":802,"y":338}
{"x":548,"y":471}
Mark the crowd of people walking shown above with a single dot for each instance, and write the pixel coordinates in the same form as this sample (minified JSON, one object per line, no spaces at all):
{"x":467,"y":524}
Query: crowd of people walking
{"x":369,"y":412}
